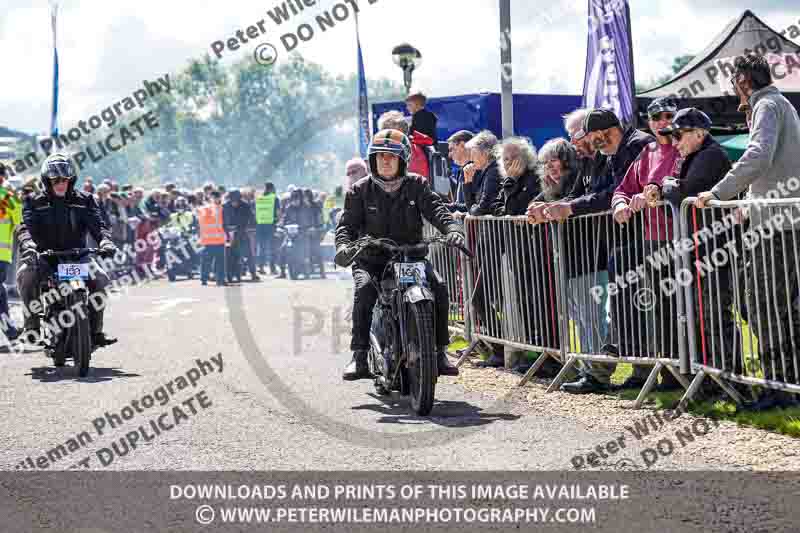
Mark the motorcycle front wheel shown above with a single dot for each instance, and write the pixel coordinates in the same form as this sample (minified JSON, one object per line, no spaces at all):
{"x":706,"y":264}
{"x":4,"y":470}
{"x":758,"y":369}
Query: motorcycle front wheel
{"x":421,"y":356}
{"x":80,"y":336}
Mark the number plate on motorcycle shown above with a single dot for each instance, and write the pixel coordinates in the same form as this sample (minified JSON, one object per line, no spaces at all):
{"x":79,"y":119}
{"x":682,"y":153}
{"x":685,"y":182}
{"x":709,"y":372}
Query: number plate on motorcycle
{"x":409,"y":272}
{"x":68,"y":271}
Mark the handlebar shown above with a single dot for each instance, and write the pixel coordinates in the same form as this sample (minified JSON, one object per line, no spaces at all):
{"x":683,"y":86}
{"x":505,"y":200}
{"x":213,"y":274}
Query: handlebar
{"x":420,"y":248}
{"x":74,"y":252}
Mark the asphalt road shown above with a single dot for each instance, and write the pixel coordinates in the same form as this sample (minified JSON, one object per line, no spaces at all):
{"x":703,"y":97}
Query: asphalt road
{"x":274,"y":405}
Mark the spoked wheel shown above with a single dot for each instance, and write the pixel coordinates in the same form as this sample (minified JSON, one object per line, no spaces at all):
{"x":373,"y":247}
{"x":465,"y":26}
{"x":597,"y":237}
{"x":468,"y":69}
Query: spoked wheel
{"x":81,"y":338}
{"x":421,"y":357}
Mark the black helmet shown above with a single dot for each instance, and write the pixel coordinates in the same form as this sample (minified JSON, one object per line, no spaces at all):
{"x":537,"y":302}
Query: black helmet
{"x":58,"y":166}
{"x":235,"y":195}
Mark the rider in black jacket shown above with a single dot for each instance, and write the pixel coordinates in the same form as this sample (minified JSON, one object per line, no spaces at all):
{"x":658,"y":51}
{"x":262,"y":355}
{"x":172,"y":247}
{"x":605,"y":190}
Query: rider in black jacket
{"x":390,"y":204}
{"x":59,"y":219}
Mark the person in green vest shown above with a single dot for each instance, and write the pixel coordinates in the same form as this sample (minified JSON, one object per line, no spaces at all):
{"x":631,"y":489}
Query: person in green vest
{"x":182,"y":219}
{"x":10,"y":217}
{"x":267,"y":214}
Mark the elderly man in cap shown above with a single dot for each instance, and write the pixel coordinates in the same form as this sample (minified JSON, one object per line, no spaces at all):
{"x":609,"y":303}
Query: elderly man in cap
{"x":605,"y":134}
{"x":702,"y":165}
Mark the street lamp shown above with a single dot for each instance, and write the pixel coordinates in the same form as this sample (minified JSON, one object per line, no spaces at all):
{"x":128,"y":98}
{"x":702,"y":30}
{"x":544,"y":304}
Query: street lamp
{"x":407,"y":58}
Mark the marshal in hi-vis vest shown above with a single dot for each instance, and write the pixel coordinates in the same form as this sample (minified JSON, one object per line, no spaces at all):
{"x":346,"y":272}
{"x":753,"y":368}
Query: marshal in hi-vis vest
{"x":265,"y":209}
{"x":212,"y":231}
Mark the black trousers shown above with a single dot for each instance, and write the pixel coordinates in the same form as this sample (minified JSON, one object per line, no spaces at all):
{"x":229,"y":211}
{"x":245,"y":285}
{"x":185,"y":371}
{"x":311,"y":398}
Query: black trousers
{"x":365,"y":278}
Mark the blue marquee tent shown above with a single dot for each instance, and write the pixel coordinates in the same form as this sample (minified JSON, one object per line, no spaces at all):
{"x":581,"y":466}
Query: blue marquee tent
{"x":536,"y":116}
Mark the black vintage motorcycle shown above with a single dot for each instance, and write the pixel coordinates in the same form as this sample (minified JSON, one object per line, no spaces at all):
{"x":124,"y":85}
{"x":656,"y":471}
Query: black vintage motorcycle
{"x":402,"y":352}
{"x":65,"y":303}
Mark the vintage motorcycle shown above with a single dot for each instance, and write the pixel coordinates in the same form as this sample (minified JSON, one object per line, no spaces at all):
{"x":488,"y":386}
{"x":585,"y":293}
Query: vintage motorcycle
{"x":65,"y":289}
{"x":402,"y":354}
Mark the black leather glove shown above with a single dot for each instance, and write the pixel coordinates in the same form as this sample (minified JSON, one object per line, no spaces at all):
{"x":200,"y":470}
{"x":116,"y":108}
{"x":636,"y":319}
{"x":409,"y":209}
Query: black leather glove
{"x":455,"y":238}
{"x":108,"y":249}
{"x":29,"y":254}
{"x":344,"y":256}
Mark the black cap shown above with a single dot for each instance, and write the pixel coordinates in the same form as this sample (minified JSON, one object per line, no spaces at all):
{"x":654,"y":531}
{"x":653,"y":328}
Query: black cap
{"x":597,"y":120}
{"x":661,"y":105}
{"x":685,"y":119}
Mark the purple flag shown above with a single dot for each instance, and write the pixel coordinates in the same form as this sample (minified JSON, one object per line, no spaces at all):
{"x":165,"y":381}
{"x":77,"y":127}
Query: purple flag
{"x":608,"y":82}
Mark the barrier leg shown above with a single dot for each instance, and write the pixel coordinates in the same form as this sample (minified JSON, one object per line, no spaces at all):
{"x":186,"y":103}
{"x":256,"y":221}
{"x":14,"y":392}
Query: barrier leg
{"x":561,"y":375}
{"x":691,"y":391}
{"x":678,"y":376}
{"x":466,"y":352}
{"x":648,"y":385}
{"x":730,"y":391}
{"x":533,"y":369}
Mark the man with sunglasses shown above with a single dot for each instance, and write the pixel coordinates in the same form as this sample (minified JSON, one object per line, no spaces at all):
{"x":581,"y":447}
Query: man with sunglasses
{"x":647,"y":172}
{"x":60,"y":218}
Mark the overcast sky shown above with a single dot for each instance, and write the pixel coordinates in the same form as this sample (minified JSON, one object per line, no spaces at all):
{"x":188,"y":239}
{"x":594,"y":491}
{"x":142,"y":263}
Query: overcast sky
{"x":107,"y":47}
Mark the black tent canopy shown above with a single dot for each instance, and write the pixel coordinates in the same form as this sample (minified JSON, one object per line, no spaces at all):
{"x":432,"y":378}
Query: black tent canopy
{"x":705,"y":82}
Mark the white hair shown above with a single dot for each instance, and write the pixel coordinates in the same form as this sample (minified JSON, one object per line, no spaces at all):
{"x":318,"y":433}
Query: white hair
{"x":574,"y":121}
{"x":393,"y":120}
{"x":485,"y":142}
{"x":526,"y":149}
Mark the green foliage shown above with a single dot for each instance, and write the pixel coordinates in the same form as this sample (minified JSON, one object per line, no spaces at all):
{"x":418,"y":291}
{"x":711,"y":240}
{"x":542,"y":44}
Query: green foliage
{"x":246,"y":124}
{"x":677,"y":64}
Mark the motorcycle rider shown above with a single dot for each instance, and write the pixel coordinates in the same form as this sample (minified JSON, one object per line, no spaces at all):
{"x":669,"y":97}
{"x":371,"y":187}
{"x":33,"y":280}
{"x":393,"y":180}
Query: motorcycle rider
{"x":184,"y":221}
{"x":315,"y":230}
{"x":390,"y":203}
{"x":238,"y":217}
{"x":59,"y":218}
{"x":295,"y":212}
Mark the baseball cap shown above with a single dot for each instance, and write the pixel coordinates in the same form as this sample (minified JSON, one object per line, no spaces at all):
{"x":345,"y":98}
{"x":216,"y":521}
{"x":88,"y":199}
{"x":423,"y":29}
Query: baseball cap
{"x":597,"y":120}
{"x":665,"y":104}
{"x":689,"y":118}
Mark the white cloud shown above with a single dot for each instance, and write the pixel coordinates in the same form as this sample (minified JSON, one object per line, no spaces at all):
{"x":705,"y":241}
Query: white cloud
{"x":107,"y":49}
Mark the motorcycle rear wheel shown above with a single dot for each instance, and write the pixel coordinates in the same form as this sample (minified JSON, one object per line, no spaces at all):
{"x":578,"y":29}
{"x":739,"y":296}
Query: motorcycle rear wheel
{"x":420,"y":342}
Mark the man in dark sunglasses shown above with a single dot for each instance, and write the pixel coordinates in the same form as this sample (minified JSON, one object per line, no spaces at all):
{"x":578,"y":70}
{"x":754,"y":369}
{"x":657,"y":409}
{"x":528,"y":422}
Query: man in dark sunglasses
{"x":60,"y":218}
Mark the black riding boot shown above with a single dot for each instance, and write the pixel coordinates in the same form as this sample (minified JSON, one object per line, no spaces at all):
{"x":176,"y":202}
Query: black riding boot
{"x":443,"y":364}
{"x":358,"y":367}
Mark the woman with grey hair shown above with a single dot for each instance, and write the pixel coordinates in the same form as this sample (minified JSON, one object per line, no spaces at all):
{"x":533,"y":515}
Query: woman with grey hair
{"x":480,"y":189}
{"x":393,"y":120}
{"x":558,"y":162}
{"x":516,"y":158}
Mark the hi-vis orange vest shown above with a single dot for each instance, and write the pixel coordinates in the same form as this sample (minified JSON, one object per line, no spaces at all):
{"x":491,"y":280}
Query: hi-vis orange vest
{"x":211,"y":230}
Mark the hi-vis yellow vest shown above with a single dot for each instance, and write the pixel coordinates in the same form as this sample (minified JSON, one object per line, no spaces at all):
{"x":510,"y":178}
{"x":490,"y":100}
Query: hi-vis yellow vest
{"x":265,"y":209}
{"x":10,"y":217}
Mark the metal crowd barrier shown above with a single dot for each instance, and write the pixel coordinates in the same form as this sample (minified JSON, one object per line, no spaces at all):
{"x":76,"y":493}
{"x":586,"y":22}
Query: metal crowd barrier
{"x":513,"y":286}
{"x":741,"y":279}
{"x":449,"y":263}
{"x":625,"y":269}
